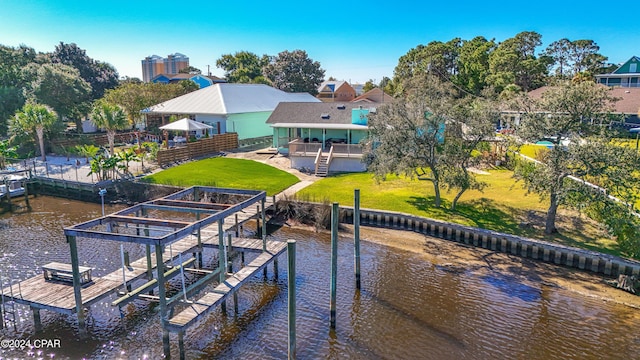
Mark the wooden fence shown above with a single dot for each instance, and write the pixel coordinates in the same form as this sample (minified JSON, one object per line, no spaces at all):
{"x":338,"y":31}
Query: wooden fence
{"x":99,"y":139}
{"x":202,"y":147}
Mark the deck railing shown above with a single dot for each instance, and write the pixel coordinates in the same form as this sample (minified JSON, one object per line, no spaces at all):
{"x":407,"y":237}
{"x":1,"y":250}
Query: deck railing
{"x":303,"y":149}
{"x":347,"y":150}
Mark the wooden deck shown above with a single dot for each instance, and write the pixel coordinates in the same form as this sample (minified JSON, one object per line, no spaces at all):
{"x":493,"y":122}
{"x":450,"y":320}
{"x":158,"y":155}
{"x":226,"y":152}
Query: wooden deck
{"x":59,"y":296}
{"x":211,"y":300}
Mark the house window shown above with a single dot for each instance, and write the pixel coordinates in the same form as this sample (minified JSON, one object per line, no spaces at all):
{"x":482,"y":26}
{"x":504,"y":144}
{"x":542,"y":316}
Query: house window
{"x":633,"y":67}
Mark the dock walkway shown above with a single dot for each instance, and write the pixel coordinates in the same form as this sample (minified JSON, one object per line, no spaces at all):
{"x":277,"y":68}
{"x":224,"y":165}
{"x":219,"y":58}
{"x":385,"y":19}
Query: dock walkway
{"x":39,"y":293}
{"x":211,"y":300}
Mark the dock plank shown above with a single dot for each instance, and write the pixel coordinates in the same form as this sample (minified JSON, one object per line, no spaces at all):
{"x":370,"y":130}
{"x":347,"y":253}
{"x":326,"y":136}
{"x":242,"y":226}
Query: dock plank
{"x":211,"y":300}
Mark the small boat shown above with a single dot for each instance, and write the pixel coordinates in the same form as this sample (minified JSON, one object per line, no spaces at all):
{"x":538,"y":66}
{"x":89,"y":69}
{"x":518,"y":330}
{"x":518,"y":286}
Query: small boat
{"x":15,"y":185}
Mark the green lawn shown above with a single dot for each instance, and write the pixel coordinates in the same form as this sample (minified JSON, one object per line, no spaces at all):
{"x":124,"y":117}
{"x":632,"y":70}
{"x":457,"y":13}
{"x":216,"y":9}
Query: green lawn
{"x":531,"y":150}
{"x":226,"y":173}
{"x":502,"y":206}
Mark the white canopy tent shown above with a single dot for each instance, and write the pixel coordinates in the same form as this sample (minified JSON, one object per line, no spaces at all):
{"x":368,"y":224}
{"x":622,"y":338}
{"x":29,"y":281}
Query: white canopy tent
{"x":186,"y":124}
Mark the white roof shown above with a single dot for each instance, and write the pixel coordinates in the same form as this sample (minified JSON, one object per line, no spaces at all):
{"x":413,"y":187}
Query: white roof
{"x":320,"y":126}
{"x":225,"y":98}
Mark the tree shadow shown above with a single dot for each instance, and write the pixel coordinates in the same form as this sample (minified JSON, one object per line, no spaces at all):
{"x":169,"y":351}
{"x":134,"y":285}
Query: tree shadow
{"x":482,"y":213}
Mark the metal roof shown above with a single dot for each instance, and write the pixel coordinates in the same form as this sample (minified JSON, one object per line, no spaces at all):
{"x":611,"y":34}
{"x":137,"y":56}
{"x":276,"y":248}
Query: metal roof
{"x":225,"y":98}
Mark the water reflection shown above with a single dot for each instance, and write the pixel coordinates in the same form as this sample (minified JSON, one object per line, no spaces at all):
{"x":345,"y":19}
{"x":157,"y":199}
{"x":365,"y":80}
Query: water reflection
{"x":408,"y":308}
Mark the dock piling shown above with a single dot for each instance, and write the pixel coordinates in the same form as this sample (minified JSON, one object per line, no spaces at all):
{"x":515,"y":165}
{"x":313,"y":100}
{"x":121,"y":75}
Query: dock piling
{"x":334,"y":263}
{"x":356,"y":235}
{"x":73,"y":250}
{"x":37,"y":323}
{"x":181,"y":345}
{"x":163,"y":302}
{"x":221,"y":260}
{"x":291,"y":257}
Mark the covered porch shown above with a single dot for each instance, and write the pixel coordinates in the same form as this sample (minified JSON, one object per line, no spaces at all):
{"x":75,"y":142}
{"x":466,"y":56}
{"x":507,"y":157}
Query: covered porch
{"x":322,"y":148}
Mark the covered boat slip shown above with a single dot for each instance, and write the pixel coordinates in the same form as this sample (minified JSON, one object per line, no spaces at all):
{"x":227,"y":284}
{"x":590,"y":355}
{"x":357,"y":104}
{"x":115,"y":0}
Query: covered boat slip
{"x":181,"y":223}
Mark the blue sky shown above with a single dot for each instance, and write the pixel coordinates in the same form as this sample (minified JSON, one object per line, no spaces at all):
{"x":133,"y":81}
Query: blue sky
{"x":352,"y":40}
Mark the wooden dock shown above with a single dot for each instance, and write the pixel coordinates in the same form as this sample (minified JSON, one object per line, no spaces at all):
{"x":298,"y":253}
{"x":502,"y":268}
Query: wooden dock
{"x":58,"y":296}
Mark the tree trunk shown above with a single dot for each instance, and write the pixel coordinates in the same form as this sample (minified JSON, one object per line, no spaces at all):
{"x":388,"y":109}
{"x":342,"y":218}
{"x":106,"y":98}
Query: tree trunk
{"x":40,"y":133}
{"x":111,"y":135}
{"x":436,"y":190}
{"x":550,"y":226}
{"x":455,"y":199}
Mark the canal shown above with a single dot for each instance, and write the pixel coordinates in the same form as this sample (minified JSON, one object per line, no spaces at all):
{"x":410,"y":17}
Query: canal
{"x":410,"y":306}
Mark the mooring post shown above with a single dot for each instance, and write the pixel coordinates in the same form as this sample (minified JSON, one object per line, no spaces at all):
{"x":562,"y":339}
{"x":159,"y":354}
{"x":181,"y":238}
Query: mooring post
{"x":264,"y":226}
{"x":237,"y":228}
{"x":73,"y":250}
{"x":258,"y":221}
{"x":221,"y":261}
{"x":229,"y":248}
{"x":334,"y":262}
{"x":26,"y":194}
{"x":356,"y":235}
{"x":8,"y":195}
{"x":37,"y":323}
{"x":181,"y":345}
{"x":275,"y":206}
{"x":199,"y":256}
{"x":291,"y":257}
{"x":163,"y":301}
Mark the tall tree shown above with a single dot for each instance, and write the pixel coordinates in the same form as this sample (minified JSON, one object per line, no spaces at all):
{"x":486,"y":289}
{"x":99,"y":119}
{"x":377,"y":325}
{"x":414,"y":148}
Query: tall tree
{"x":406,"y":136}
{"x":99,"y":75}
{"x":294,"y":71}
{"x":136,"y":96}
{"x":514,"y":62}
{"x":473,"y":64}
{"x":560,"y":51}
{"x":62,"y":88}
{"x":111,"y":118}
{"x":13,"y":81}
{"x":586,"y":57}
{"x":243,"y":67}
{"x":579,"y":112}
{"x":369,"y":85}
{"x":33,"y":119}
{"x":436,"y":58}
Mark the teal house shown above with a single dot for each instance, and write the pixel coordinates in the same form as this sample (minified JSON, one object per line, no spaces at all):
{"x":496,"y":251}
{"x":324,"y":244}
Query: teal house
{"x":201,"y":80}
{"x":321,"y":137}
{"x":240,"y":108}
{"x":627,"y":75}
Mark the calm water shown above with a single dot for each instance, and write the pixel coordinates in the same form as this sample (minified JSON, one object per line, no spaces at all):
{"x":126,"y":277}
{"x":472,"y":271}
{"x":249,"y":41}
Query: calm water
{"x":408,"y":308}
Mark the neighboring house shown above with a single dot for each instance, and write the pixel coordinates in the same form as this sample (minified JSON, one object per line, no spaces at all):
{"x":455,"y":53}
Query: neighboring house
{"x":627,"y":75}
{"x":201,"y":80}
{"x":335,"y":91}
{"x":375,"y":96}
{"x":239,"y":108}
{"x":627,"y":105}
{"x":321,"y":137}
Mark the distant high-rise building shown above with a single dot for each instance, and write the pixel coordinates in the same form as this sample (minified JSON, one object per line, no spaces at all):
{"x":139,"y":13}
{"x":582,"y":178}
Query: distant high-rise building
{"x":154,"y":65}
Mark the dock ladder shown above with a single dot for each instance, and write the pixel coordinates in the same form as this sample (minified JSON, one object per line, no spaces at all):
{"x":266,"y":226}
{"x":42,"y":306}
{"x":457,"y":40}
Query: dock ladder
{"x":8,"y":308}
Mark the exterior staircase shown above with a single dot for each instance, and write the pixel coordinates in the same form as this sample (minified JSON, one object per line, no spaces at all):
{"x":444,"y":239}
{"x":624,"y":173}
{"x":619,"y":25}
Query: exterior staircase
{"x":323,"y":165}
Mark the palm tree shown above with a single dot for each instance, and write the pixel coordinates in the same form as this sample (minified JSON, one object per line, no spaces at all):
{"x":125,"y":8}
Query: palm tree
{"x":6,"y":151}
{"x":34,"y":118}
{"x":111,"y":118}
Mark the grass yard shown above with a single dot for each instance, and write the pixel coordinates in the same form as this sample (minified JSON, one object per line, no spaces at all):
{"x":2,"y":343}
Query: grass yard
{"x":502,"y":206}
{"x":226,"y":173}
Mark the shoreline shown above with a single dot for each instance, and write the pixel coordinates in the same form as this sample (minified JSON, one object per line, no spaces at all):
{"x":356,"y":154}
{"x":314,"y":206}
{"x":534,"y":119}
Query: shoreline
{"x":458,"y":257}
